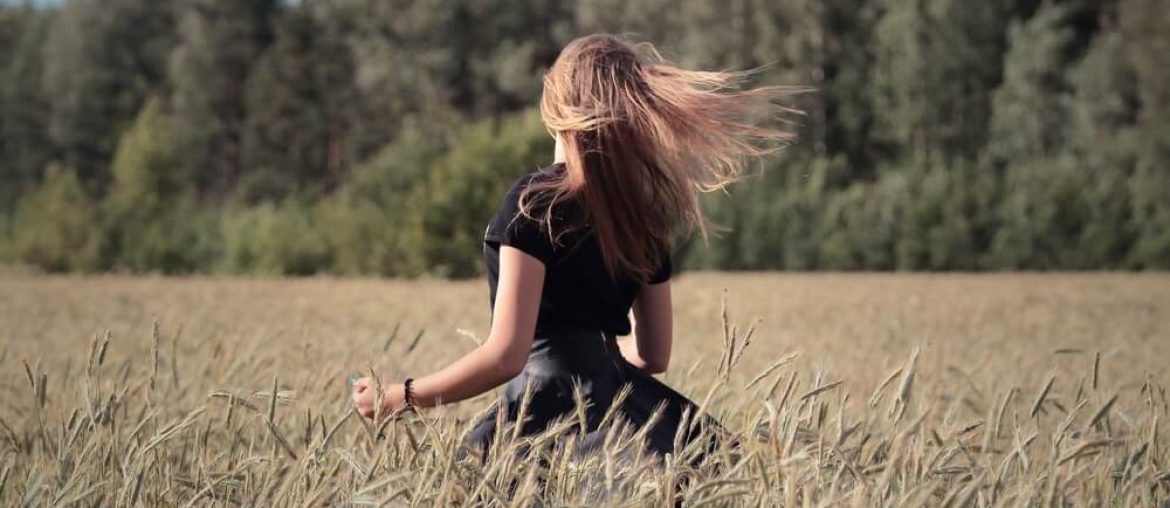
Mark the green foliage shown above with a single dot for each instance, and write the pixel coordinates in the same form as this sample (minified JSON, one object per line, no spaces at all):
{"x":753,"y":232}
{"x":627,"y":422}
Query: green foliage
{"x":1035,"y":225}
{"x":299,"y":112}
{"x":859,"y":227}
{"x":784,"y":201}
{"x":101,"y":60}
{"x":1144,"y":22}
{"x":218,"y":43}
{"x":273,"y":239}
{"x":24,"y":140}
{"x":937,"y":64}
{"x":377,"y":136}
{"x":945,"y":213}
{"x":1102,"y":131}
{"x":150,"y":202}
{"x":908,"y":219}
{"x":1031,"y":107}
{"x":55,"y":226}
{"x":419,"y":206}
{"x":452,"y":207}
{"x":368,"y":226}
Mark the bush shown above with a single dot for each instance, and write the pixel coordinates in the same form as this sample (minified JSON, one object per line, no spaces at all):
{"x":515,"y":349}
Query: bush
{"x":55,"y":225}
{"x":860,"y":225}
{"x":947,"y":212}
{"x":1041,"y":216}
{"x":1150,"y":209}
{"x":770,"y":220}
{"x":368,"y":224}
{"x":419,"y":206}
{"x":273,"y":239}
{"x":451,"y":209}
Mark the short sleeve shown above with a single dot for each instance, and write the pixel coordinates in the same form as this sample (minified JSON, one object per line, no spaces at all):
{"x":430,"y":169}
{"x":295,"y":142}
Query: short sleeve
{"x":665,"y":270}
{"x":514,"y":229}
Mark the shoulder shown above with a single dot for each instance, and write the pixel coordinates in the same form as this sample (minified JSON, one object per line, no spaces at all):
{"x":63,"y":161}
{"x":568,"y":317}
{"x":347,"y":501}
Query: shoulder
{"x":527,"y":180}
{"x":519,"y":192}
{"x":518,"y":220}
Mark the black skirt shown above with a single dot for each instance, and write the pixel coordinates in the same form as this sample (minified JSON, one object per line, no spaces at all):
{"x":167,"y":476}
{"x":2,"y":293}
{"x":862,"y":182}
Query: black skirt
{"x":591,"y":360}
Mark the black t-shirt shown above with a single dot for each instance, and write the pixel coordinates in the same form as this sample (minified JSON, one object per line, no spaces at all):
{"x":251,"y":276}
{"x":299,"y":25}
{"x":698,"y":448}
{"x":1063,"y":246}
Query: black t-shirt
{"x":578,"y":291}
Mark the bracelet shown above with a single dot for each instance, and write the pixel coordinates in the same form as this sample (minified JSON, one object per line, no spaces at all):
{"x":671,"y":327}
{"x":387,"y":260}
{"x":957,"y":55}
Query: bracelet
{"x":408,"y":393}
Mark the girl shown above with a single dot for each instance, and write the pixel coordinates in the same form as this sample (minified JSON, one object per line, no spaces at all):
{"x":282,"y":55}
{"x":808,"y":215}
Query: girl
{"x":573,"y":248}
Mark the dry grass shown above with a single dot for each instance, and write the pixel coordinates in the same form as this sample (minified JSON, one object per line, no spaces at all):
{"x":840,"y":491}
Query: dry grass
{"x":871,"y":390}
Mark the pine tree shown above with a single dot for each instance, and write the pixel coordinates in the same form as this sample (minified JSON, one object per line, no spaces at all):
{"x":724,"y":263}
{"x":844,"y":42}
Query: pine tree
{"x":1031,"y":108}
{"x":219,"y":41}
{"x":300,"y":107}
{"x":1102,"y":140}
{"x":1144,"y":24}
{"x":24,"y":140}
{"x":101,"y":60}
{"x":402,"y":57}
{"x":937,"y":63}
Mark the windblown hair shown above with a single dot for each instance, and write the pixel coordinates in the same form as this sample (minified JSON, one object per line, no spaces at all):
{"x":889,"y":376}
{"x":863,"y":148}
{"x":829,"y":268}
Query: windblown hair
{"x":642,"y":137}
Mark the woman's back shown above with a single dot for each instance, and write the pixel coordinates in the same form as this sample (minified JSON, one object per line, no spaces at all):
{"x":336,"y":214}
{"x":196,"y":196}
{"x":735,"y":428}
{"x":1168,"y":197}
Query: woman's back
{"x":578,"y":290}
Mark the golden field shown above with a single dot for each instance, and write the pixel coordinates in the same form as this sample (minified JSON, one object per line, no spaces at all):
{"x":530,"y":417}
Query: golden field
{"x":853,"y":389}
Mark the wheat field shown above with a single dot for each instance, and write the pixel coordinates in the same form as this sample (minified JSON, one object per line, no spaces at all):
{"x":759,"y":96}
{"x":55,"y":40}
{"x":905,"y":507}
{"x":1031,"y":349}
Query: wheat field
{"x":838,"y":389}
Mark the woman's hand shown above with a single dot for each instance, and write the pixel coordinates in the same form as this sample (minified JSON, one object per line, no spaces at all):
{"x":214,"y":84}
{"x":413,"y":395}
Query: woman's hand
{"x":364,"y":397}
{"x":499,"y":359}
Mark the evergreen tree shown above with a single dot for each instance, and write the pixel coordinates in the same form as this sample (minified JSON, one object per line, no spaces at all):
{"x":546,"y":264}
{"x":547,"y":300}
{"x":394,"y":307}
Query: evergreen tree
{"x":299,"y":110}
{"x":1031,"y":108}
{"x":1102,"y":139}
{"x":1105,"y":105}
{"x":101,"y":60}
{"x":219,"y":41}
{"x":937,"y":64}
{"x":403,"y":57}
{"x":1144,"y":24}
{"x":24,"y":141}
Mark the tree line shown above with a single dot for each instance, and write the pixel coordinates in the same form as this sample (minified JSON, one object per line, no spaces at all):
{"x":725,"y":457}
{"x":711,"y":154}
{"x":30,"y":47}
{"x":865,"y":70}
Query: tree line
{"x":376,"y":136}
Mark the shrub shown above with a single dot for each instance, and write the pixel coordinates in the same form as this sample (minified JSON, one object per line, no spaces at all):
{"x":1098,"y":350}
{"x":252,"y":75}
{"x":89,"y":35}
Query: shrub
{"x":55,"y":224}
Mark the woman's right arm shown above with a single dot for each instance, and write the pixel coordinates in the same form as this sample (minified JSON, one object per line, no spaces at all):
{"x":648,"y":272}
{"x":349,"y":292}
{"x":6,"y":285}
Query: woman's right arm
{"x":648,"y":349}
{"x":499,"y":359}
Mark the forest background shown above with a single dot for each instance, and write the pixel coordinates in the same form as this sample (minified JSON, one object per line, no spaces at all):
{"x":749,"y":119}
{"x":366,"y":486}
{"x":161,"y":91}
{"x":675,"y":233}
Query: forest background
{"x":376,"y":136}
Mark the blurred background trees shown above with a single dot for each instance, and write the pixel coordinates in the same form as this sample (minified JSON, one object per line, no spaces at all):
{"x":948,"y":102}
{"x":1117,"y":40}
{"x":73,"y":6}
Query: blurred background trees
{"x":377,"y":136}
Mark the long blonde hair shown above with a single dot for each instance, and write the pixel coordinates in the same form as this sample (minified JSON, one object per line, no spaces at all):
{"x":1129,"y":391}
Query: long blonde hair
{"x":642,"y":137}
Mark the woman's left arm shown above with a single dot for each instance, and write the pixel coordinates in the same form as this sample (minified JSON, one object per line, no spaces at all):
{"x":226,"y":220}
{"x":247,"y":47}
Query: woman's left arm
{"x":648,"y":350}
{"x":499,"y":359}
